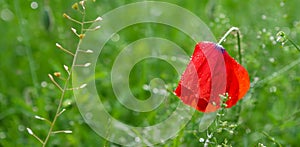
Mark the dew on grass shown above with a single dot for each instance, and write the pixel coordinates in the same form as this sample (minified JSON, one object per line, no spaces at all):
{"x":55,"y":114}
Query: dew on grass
{"x":115,"y":38}
{"x":67,"y":102}
{"x":258,"y":36}
{"x":137,"y":139}
{"x":21,"y":128}
{"x":272,"y":60}
{"x":44,"y":84}
{"x":7,"y":15}
{"x":34,"y":5}
{"x":146,"y":87}
{"x":263,"y":17}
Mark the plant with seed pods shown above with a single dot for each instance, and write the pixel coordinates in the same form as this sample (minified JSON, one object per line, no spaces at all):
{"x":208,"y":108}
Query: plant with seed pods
{"x":80,"y":7}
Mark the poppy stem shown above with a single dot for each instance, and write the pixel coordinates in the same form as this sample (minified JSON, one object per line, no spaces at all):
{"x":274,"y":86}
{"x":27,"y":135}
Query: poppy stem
{"x":237,"y":30}
{"x":239,"y":46}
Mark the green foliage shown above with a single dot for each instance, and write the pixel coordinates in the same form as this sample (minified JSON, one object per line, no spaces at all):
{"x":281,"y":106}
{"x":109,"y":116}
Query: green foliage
{"x":269,"y":113}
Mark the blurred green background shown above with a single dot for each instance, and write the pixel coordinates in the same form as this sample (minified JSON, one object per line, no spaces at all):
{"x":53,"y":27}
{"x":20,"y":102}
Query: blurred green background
{"x":29,"y":30}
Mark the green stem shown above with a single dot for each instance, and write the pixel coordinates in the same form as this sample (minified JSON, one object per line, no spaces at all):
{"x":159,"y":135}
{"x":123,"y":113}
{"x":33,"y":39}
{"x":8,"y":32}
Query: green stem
{"x":239,"y":46}
{"x":294,"y":44}
{"x":271,"y":138}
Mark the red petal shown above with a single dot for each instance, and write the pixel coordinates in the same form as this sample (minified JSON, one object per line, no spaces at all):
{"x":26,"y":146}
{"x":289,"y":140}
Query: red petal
{"x":211,"y":72}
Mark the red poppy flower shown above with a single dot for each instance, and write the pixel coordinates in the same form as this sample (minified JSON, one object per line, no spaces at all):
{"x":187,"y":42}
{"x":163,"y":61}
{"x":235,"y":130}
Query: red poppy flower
{"x":210,"y":73}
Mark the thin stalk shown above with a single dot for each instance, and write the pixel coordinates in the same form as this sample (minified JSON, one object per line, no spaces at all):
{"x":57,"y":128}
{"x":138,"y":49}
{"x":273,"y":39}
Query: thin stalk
{"x":239,"y":46}
{"x":271,"y":138}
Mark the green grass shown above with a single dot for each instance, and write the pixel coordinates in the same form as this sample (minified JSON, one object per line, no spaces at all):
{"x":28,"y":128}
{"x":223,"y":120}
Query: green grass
{"x":28,"y":54}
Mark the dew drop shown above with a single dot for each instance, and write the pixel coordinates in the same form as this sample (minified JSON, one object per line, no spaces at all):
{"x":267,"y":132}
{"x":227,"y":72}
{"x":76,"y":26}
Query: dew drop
{"x":272,"y":60}
{"x":34,"y":5}
{"x":146,"y":87}
{"x":115,"y":38}
{"x":258,"y":36}
{"x":44,"y":84}
{"x":7,"y":15}
{"x":137,"y":139}
{"x":21,"y":128}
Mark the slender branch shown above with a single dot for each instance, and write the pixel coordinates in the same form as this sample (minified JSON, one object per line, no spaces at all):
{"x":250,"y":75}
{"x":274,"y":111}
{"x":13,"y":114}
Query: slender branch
{"x":36,"y":137}
{"x":63,"y":49}
{"x":62,"y":131}
{"x":43,"y":119}
{"x":54,"y":82}
{"x":72,"y":19}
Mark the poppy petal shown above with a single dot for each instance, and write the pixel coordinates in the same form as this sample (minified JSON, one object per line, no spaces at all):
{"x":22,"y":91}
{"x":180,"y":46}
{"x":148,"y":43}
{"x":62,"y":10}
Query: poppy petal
{"x":212,"y":72}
